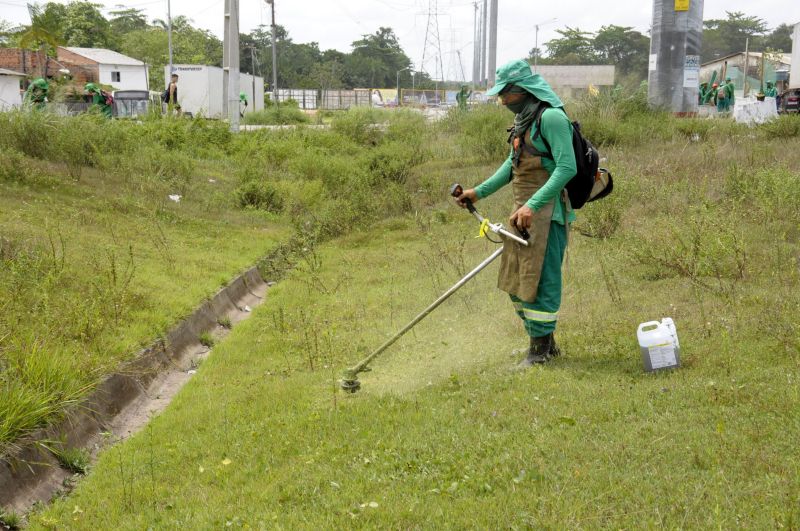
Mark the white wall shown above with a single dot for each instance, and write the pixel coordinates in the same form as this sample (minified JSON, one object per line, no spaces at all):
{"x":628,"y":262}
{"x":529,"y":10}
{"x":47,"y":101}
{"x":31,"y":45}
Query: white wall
{"x":131,"y":77}
{"x":9,"y":92}
{"x":794,"y":73}
{"x":255,"y":103}
{"x":200,"y":90}
{"x":577,"y":76}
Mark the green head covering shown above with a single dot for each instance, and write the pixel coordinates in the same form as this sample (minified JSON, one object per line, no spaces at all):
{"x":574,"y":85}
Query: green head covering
{"x":769,"y":83}
{"x":519,"y":73}
{"x":91,"y":87}
{"x":40,"y":83}
{"x":243,"y":96}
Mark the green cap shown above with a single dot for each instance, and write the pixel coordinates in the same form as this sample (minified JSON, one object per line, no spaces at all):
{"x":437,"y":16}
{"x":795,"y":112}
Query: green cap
{"x":519,"y":73}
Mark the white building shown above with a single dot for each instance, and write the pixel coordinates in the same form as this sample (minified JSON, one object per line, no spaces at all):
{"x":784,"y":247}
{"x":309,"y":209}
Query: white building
{"x":10,"y":95}
{"x":200,"y":90}
{"x":106,"y":67}
{"x":572,"y":80}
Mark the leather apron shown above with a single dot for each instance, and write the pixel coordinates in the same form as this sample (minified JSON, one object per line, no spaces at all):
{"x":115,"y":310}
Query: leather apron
{"x":521,"y":266}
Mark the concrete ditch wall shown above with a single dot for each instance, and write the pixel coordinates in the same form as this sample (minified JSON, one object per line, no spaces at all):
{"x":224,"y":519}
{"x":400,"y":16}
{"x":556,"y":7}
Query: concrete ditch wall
{"x":30,"y":473}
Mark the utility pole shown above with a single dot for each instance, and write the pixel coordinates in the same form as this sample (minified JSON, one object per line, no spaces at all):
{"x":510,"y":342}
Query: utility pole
{"x":253,"y":73}
{"x":674,"y":71}
{"x":169,"y":36}
{"x":492,"y":43}
{"x":483,"y":43}
{"x":230,"y":64}
{"x":475,"y":46}
{"x":274,"y":54}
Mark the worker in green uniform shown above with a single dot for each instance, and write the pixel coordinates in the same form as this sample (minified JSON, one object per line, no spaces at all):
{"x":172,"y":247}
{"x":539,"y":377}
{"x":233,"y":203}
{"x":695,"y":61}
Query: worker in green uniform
{"x":730,"y":88}
{"x":462,"y":97}
{"x":531,"y":274}
{"x":36,"y":94}
{"x":242,"y":104}
{"x":99,"y":99}
{"x":772,"y":92}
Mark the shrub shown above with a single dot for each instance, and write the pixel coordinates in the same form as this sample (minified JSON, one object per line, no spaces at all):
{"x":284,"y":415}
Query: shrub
{"x":360,"y":125}
{"x":15,"y":167}
{"x":282,"y":114}
{"x":260,"y":195}
{"x":481,"y":132}
{"x":785,"y":126}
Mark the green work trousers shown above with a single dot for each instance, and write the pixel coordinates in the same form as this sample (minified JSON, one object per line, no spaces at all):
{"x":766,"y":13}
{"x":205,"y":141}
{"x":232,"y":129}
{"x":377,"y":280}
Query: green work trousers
{"x":541,"y":315}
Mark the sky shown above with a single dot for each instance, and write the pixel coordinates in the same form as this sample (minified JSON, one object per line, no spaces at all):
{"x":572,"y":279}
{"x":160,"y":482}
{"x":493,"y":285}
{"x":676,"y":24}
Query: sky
{"x":337,"y":23}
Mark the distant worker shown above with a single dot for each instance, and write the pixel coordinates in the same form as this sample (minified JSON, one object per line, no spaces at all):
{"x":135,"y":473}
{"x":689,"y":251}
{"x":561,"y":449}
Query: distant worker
{"x":714,"y":91}
{"x":771,"y":92}
{"x":722,"y":99}
{"x":170,"y":96}
{"x":377,"y":99}
{"x":36,"y":95}
{"x":100,"y":99}
{"x":539,"y":165}
{"x":462,"y":97}
{"x":730,"y":88}
{"x":242,"y":104}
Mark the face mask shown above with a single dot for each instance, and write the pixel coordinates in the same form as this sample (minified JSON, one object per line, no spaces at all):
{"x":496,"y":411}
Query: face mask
{"x":517,"y":107}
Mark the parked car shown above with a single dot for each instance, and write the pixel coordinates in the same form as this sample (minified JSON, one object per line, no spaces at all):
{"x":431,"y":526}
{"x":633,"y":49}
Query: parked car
{"x":790,"y":101}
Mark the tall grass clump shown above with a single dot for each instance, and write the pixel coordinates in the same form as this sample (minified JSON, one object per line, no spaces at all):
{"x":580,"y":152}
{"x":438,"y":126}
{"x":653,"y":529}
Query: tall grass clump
{"x":480,"y":133}
{"x":283,"y":114}
{"x":619,"y":116}
{"x":785,"y":126}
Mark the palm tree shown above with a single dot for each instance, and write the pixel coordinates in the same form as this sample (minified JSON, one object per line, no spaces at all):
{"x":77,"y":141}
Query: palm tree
{"x":45,"y":30}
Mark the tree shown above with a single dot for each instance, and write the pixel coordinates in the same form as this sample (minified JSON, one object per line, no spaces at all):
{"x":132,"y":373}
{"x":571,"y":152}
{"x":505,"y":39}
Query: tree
{"x":723,"y":37}
{"x":375,"y":60}
{"x":780,"y":39}
{"x":625,"y":48}
{"x":127,"y":20}
{"x":85,"y":27}
{"x":45,"y":32}
{"x":575,"y":47}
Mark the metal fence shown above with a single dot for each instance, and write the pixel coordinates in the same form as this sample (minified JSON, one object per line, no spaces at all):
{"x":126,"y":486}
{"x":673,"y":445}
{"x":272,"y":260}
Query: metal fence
{"x":311,"y":99}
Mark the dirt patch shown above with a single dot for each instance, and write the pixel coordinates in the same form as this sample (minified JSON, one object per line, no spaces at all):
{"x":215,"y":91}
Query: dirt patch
{"x":124,"y":402}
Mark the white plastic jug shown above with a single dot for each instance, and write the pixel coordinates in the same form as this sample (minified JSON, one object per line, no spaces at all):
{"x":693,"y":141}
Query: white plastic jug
{"x":659,"y":344}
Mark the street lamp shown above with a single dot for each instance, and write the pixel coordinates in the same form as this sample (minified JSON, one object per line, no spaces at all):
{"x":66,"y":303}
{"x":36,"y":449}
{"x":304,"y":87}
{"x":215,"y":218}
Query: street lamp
{"x":398,"y":83}
{"x":536,"y":45}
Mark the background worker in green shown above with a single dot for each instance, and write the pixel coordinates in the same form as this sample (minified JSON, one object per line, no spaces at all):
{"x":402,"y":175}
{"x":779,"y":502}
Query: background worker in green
{"x":462,"y":97}
{"x":36,"y":94}
{"x":98,"y":99}
{"x":242,"y":104}
{"x":772,"y":92}
{"x":730,"y":88}
{"x":532,"y":275}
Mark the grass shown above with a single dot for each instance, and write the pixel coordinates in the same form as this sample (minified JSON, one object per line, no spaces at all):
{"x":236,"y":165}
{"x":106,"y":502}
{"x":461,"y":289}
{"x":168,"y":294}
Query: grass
{"x":283,"y":114}
{"x":443,"y":433}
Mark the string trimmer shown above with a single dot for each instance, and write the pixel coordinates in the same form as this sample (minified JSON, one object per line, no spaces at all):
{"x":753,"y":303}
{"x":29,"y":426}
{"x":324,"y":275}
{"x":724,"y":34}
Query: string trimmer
{"x":350,"y":381}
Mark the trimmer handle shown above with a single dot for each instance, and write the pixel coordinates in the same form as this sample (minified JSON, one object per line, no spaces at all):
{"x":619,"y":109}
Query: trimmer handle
{"x":456,"y":190}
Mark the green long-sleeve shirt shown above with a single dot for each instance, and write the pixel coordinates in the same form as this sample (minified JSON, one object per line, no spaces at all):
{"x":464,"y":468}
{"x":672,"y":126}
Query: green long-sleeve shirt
{"x":561,"y":168}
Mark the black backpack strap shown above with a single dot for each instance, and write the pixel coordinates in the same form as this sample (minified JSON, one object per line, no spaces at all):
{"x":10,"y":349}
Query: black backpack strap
{"x":538,"y":134}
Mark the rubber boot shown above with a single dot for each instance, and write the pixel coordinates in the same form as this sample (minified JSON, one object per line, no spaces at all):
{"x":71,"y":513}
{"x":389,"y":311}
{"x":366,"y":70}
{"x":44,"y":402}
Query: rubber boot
{"x":554,"y":350}
{"x":538,"y":352}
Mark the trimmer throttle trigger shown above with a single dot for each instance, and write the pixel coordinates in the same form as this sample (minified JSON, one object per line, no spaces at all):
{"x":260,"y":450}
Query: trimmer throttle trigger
{"x":456,"y":190}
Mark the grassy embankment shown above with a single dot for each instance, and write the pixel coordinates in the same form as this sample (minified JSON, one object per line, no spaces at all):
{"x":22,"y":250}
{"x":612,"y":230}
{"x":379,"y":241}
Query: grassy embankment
{"x":703,"y":227}
{"x":96,"y":260}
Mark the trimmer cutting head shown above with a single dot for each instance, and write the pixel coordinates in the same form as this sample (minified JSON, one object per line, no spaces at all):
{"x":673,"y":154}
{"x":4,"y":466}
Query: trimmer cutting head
{"x":350,"y":385}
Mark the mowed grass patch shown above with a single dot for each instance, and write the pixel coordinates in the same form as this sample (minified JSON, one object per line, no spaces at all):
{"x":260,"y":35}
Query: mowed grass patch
{"x":444,"y":433}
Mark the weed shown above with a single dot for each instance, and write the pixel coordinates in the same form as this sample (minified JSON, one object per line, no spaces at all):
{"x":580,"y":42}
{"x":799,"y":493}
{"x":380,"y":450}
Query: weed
{"x":225,"y":322}
{"x":10,"y":520}
{"x":784,"y":127}
{"x":75,"y":460}
{"x":206,"y":339}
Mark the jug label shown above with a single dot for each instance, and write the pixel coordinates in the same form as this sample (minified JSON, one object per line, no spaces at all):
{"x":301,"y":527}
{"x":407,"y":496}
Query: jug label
{"x":662,"y":356}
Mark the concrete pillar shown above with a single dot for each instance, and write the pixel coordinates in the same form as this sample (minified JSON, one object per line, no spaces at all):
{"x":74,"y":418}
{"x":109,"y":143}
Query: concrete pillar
{"x":673,"y":81}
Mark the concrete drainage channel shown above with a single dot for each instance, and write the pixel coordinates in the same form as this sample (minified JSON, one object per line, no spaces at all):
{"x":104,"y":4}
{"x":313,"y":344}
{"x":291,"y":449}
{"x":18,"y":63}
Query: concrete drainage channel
{"x":124,"y":402}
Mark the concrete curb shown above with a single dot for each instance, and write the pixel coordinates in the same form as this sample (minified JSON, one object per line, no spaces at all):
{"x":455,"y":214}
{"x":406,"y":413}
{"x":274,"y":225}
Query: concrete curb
{"x":30,"y":473}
